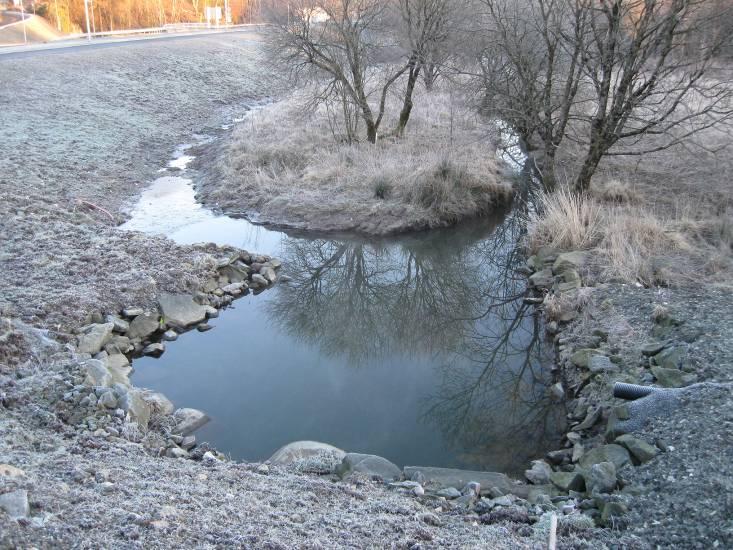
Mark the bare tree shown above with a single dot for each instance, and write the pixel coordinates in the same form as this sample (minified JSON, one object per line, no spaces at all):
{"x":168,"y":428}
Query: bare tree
{"x":604,"y":73}
{"x":425,"y":28}
{"x":344,"y":40}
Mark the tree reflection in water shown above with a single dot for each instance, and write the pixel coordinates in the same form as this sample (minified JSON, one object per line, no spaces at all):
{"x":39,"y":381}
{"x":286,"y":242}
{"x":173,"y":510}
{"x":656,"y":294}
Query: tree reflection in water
{"x":451,"y":297}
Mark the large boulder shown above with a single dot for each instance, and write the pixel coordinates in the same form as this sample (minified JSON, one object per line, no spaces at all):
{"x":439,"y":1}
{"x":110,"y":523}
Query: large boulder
{"x":118,"y":368}
{"x":298,"y":450}
{"x":133,"y":403}
{"x":309,"y":456}
{"x":370,"y":465}
{"x":158,"y":402}
{"x":179,"y":310}
{"x":568,"y":481}
{"x":570,"y":260}
{"x":94,"y":338}
{"x":189,"y":420}
{"x":606,"y":453}
{"x":144,"y":325}
{"x":640,"y":450}
{"x":450,"y":477}
{"x":601,"y":478}
{"x":97,"y":374}
{"x":539,"y":474}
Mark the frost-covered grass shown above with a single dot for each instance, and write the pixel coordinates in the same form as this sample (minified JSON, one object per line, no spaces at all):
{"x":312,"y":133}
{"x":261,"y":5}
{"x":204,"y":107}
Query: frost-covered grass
{"x":290,"y":164}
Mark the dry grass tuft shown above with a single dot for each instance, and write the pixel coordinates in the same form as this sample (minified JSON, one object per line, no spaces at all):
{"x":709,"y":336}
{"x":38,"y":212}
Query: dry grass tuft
{"x":617,"y":192}
{"x":565,"y":221}
{"x":632,"y":243}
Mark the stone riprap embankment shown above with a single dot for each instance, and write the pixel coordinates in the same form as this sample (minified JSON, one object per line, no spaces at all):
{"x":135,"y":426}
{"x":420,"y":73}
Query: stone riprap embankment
{"x":621,"y":463}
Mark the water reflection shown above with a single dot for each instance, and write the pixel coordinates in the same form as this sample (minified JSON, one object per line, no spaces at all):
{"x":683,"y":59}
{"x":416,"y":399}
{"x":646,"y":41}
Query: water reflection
{"x":452,"y":299}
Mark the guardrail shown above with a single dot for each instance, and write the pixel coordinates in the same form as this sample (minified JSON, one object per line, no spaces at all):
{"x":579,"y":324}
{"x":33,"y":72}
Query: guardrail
{"x":169,"y":28}
{"x":22,"y":16}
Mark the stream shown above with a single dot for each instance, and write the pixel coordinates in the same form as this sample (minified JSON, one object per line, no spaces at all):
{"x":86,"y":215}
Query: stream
{"x":418,"y":348}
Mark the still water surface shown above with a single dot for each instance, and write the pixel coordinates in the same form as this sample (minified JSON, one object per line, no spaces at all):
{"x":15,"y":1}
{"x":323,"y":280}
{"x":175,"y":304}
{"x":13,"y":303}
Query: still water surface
{"x":418,"y":348}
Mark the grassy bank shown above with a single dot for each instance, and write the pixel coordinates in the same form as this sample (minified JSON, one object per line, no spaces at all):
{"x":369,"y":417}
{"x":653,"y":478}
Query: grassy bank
{"x":288,"y":164}
{"x":659,"y":219}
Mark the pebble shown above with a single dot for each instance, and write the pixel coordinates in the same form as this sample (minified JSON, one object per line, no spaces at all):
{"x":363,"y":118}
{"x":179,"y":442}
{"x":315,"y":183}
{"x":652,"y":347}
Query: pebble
{"x":204,"y":327}
{"x":132,"y":311}
{"x":263,"y":469}
{"x":170,"y":335}
{"x":106,"y":487}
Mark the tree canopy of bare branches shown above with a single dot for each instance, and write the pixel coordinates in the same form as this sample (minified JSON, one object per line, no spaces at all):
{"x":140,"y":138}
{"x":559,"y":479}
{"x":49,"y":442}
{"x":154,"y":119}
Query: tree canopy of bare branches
{"x":604,"y":73}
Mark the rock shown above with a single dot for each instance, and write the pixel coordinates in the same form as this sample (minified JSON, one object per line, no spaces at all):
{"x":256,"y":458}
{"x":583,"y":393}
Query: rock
{"x":581,"y":358}
{"x":269,"y":274}
{"x":117,"y":345}
{"x":263,"y":469}
{"x":612,"y":510}
{"x":448,"y":492}
{"x":97,"y":374}
{"x":578,"y":452}
{"x":371,"y":465}
{"x":568,"y":481}
{"x":557,"y":392}
{"x":170,"y":335}
{"x":189,"y":442}
{"x":671,"y":358}
{"x":133,"y":403}
{"x":176,"y":452}
{"x":418,"y":491}
{"x":592,"y":416}
{"x":669,"y":378}
{"x":275,"y":263}
{"x":209,"y":457}
{"x":259,"y":280}
{"x":449,"y":477}
{"x":179,"y":310}
{"x":430,"y":519}
{"x":155,"y":349}
{"x":204,"y":327}
{"x":8,"y":471}
{"x":235,"y":289}
{"x":158,"y":402}
{"x":106,"y":487}
{"x":189,"y":420}
{"x":542,"y":279}
{"x":119,"y":325}
{"x":108,"y":400}
{"x":94,"y":338}
{"x":130,"y":312}
{"x":118,"y":368}
{"x":471,"y":488}
{"x":235,"y":273}
{"x":539,"y":473}
{"x":299,"y":450}
{"x":570,"y":260}
{"x":211,"y":312}
{"x":599,"y":364}
{"x":143,"y":326}
{"x":601,"y":478}
{"x":606,"y":453}
{"x":15,"y":504}
{"x":652,"y":348}
{"x":639,"y":449}
{"x":559,"y":456}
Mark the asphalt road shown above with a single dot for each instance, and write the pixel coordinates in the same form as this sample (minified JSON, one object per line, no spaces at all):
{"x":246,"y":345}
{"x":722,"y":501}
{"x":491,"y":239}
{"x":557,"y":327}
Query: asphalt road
{"x":63,"y":46}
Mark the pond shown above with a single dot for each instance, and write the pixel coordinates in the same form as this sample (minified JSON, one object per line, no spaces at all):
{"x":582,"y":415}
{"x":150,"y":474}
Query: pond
{"x":418,"y":348}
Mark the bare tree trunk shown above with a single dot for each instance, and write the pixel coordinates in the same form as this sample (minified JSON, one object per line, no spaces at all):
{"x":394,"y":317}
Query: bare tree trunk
{"x":412,"y":76}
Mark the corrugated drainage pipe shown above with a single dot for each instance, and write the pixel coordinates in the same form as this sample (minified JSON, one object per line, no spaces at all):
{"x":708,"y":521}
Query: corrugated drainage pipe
{"x":632,"y":391}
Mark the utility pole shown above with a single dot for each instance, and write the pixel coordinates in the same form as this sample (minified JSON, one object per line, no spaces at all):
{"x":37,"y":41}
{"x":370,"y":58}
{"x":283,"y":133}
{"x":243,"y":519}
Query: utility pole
{"x":86,"y":13}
